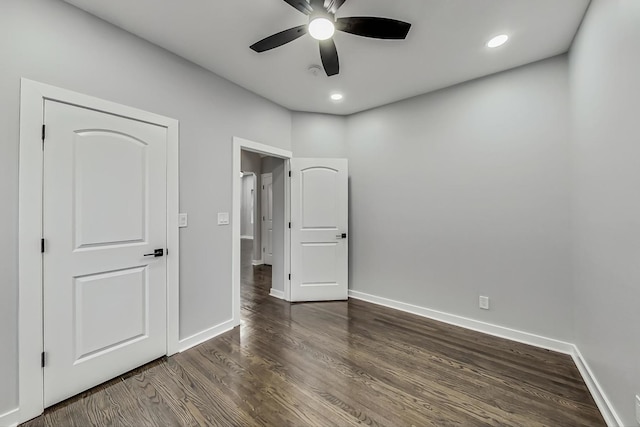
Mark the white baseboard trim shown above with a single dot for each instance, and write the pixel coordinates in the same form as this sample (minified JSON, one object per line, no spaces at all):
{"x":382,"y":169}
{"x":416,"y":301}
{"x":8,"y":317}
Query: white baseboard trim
{"x":10,"y":418}
{"x":464,"y":322}
{"x":276,"y":293}
{"x":257,"y":262}
{"x":604,"y":405}
{"x":206,"y":335}
{"x":247,"y":237}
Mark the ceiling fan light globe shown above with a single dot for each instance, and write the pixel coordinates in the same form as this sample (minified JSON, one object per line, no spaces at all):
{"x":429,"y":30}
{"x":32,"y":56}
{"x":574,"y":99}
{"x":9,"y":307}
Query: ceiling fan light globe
{"x":321,"y":28}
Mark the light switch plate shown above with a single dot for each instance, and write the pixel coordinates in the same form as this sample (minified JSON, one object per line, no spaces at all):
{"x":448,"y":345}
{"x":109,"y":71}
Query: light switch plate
{"x":182,"y":220}
{"x":223,"y":218}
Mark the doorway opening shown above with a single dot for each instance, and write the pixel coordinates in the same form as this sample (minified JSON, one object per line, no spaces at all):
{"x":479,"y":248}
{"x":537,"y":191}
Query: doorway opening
{"x":257,"y":207}
{"x":261,"y":222}
{"x":309,"y":244}
{"x":261,"y":236}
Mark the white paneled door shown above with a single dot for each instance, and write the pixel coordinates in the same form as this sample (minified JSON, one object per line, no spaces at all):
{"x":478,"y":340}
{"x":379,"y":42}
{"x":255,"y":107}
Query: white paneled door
{"x":319,"y":222}
{"x":267,"y":218}
{"x":104,"y":266}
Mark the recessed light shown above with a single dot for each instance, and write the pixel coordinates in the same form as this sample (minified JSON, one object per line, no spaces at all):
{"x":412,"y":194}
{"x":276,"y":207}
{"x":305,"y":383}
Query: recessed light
{"x":321,"y":28}
{"x":337,"y":97}
{"x":498,"y":41}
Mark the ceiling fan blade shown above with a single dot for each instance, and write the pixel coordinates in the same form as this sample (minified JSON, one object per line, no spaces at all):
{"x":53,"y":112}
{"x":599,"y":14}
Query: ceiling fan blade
{"x":329,"y":56}
{"x":333,"y":5}
{"x":302,"y":5}
{"x":279,"y":39}
{"x":377,"y":28}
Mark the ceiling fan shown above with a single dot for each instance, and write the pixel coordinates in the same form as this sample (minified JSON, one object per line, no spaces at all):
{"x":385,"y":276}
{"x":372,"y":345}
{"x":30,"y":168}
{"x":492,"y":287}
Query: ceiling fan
{"x":322,"y":25}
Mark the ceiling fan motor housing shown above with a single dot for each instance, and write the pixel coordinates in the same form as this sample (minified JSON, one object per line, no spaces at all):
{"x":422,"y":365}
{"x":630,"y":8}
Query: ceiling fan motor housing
{"x":321,"y":13}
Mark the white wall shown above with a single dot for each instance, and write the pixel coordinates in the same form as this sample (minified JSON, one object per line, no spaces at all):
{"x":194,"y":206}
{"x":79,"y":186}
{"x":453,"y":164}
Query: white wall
{"x":454,"y":194}
{"x":465,"y":192}
{"x":52,"y":42}
{"x":461,"y":193}
{"x":319,"y":135}
{"x":605,"y":88}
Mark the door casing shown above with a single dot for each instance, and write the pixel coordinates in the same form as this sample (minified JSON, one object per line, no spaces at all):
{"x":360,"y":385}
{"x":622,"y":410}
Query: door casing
{"x":30,"y":301}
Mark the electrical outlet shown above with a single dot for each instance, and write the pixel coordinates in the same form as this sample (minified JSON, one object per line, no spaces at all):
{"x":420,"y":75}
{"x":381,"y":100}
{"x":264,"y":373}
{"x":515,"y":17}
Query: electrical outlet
{"x":638,"y":409}
{"x":484,"y":303}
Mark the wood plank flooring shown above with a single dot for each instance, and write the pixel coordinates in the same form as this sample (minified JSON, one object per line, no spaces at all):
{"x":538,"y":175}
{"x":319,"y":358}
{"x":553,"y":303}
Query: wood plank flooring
{"x":338,"y":364}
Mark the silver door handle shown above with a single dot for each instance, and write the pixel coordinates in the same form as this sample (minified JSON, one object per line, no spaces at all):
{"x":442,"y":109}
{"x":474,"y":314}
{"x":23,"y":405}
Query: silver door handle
{"x":341,"y":236}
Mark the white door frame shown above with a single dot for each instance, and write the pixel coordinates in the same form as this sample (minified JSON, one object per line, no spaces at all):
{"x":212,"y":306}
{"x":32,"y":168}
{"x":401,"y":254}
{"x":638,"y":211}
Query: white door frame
{"x":30,"y":303}
{"x":240,"y":144}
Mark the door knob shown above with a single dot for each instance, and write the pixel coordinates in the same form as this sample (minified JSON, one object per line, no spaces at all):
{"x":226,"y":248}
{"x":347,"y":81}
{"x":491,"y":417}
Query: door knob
{"x":156,"y":253}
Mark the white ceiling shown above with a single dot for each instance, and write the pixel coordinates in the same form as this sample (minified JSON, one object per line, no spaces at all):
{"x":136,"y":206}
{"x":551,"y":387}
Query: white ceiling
{"x":446,"y":44}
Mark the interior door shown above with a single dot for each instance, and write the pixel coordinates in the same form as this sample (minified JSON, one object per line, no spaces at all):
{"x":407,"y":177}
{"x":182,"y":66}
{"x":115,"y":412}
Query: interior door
{"x":246,"y":206}
{"x":319,"y":229}
{"x":267,"y":218}
{"x":104,"y":213}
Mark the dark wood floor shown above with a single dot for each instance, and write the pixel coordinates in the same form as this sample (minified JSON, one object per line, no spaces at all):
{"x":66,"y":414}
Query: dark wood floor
{"x":339,"y":364}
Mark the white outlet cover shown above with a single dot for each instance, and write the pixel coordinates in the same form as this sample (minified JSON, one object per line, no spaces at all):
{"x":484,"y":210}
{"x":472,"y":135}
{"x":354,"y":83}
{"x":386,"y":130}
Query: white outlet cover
{"x":223,"y":218}
{"x":484,"y":303}
{"x":182,"y":220}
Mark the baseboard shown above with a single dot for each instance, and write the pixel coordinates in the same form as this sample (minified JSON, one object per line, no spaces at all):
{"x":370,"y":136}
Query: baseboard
{"x":464,"y":322}
{"x":10,"y":418}
{"x":206,"y":335}
{"x":604,"y":405}
{"x":257,"y":262}
{"x":247,"y":237}
{"x":276,"y":293}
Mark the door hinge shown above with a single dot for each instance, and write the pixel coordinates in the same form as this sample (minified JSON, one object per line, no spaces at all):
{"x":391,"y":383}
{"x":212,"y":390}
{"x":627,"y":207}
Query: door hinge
{"x":289,"y":276}
{"x":44,"y":132}
{"x":42,"y":359}
{"x":41,"y":246}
